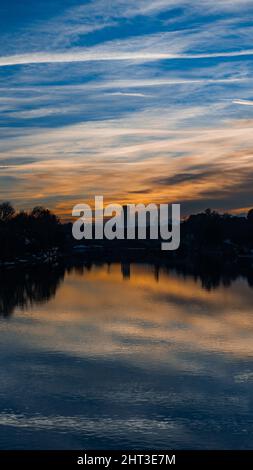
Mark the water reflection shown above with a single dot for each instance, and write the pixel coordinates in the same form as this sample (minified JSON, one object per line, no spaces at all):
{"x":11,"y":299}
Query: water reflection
{"x":25,"y":287}
{"x":127,"y":356}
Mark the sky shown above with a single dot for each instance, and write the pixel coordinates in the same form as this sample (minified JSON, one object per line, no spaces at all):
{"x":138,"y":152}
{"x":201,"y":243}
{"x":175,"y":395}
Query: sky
{"x":139,"y":101}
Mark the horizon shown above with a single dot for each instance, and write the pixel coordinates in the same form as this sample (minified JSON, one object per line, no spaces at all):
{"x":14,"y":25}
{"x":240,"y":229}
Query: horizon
{"x":71,"y":218}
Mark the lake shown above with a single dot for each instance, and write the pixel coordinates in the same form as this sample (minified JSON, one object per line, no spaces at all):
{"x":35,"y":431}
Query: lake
{"x":120,"y":356}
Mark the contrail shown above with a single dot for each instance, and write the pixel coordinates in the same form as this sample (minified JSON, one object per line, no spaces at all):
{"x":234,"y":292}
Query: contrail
{"x":243,"y":102}
{"x":91,"y":56}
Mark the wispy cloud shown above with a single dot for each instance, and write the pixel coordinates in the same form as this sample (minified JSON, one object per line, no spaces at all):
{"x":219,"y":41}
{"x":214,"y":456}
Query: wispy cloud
{"x":135,"y":95}
{"x":42,"y":112}
{"x":144,"y":149}
{"x":91,"y":55}
{"x":243,"y":102}
{"x":131,"y":100}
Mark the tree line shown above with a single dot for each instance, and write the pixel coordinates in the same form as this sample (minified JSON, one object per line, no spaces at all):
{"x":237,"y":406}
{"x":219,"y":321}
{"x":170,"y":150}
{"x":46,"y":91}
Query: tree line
{"x":210,"y":230}
{"x":39,"y":230}
{"x":28,"y":232}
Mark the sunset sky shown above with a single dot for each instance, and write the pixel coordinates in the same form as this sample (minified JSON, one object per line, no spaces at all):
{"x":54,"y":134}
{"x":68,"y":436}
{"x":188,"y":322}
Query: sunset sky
{"x":135,"y":100}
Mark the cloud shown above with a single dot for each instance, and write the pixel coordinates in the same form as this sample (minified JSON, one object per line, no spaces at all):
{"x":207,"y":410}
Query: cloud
{"x":105,"y":83}
{"x":136,"y":108}
{"x":184,"y":177}
{"x":91,"y":55}
{"x":135,"y":95}
{"x":122,"y":158}
{"x":243,"y":102}
{"x":43,"y":112}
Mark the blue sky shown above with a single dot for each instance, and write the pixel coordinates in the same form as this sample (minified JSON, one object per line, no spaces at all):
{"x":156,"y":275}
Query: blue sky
{"x":146,"y":101}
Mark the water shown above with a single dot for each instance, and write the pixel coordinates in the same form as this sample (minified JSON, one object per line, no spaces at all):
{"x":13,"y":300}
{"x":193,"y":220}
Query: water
{"x":119,"y":356}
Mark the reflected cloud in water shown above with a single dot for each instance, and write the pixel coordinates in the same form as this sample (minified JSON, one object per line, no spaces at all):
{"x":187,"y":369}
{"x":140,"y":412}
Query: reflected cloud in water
{"x":126,"y":355}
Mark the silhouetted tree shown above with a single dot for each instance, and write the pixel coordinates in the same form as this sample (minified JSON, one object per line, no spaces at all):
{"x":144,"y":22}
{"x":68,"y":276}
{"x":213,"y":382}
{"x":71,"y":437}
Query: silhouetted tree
{"x":26,"y":232}
{"x":6,"y":211}
{"x":45,"y":227}
{"x":40,"y":230}
{"x":250,"y":216}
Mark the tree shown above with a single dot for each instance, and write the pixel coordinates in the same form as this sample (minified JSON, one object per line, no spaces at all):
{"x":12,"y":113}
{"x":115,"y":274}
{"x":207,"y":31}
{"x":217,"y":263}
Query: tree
{"x":250,"y":216}
{"x":40,"y":212}
{"x":6,"y":211}
{"x":208,"y":212}
{"x":45,"y":227}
